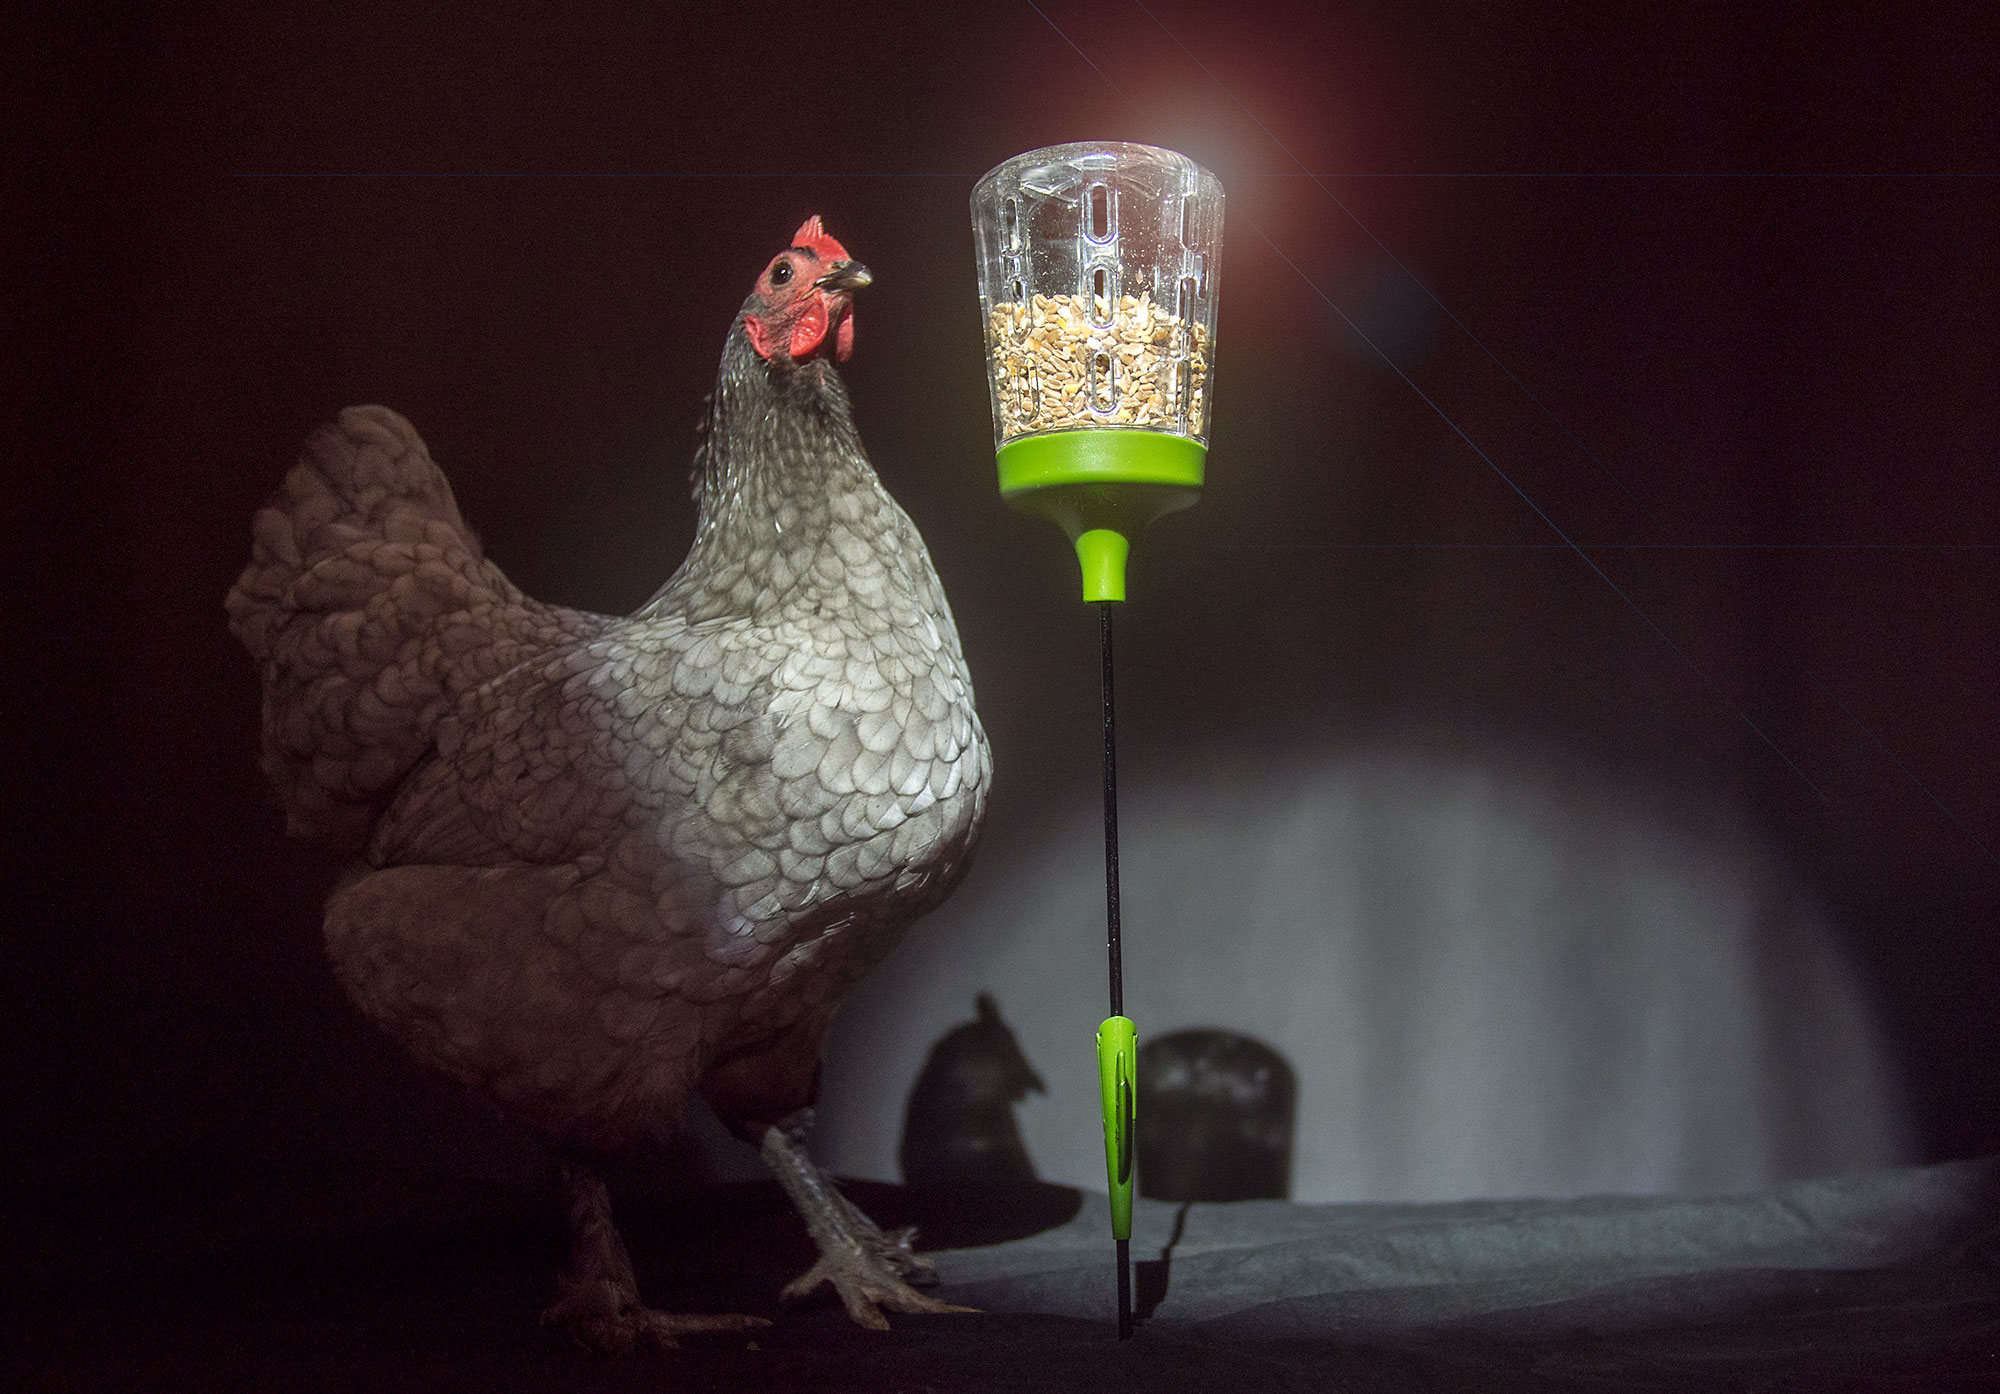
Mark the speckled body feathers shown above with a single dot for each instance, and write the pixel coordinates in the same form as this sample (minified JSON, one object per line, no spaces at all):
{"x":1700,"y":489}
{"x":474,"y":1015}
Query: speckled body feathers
{"x":613,"y":860}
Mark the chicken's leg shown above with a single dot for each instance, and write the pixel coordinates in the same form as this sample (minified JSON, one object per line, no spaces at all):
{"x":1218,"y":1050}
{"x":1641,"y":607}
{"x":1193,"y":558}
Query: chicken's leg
{"x":600,"y":1305}
{"x":869,"y":1269}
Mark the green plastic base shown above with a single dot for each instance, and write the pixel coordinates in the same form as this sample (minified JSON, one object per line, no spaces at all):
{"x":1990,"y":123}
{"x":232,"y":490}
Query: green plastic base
{"x":1100,"y":457}
{"x":1102,"y":488}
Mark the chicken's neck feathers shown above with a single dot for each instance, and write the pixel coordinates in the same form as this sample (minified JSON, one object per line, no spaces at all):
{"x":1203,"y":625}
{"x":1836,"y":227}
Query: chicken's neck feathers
{"x":783,"y":490}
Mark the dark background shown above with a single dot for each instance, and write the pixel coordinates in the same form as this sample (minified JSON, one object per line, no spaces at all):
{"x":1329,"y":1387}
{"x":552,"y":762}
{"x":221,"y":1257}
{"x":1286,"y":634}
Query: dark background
{"x":1743,"y":258}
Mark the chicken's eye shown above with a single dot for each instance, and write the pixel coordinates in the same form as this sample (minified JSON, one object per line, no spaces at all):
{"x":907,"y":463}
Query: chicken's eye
{"x":781,"y":273}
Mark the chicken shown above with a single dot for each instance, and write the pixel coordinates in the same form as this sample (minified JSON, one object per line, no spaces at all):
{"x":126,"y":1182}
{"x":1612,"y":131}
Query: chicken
{"x":606,"y":864}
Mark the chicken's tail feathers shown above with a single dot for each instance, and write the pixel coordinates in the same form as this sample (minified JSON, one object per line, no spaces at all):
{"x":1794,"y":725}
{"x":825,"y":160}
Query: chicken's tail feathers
{"x":363,"y":585}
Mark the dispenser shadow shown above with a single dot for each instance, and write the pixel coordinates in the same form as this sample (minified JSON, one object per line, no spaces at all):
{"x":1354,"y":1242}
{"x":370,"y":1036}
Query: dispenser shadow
{"x":1215,"y":1120}
{"x":963,"y":1159}
{"x":1215,"y":1123}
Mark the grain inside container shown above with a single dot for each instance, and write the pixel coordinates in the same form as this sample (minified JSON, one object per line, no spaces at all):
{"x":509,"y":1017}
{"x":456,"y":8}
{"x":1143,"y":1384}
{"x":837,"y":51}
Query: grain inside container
{"x":1098,"y":284}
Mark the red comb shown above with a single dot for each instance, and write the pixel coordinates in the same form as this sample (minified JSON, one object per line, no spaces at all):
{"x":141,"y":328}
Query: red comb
{"x":813,"y":238}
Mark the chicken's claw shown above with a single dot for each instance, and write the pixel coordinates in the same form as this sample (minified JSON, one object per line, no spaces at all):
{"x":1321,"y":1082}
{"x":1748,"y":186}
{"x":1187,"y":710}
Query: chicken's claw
{"x":600,"y":1316}
{"x":867,"y":1283}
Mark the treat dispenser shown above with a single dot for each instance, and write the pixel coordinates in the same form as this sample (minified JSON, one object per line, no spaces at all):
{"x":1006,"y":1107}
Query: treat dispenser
{"x":1098,"y":283}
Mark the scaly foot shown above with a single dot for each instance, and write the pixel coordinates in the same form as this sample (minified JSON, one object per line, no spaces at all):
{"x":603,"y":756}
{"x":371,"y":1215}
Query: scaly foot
{"x":868,"y":1268}
{"x":601,"y":1316}
{"x":600,"y":1306}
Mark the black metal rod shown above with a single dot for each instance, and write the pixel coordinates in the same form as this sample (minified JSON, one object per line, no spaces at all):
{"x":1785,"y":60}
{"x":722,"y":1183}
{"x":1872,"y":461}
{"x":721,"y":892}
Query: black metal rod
{"x":1124,"y":1289}
{"x":1111,"y":917}
{"x":1111,"y":817}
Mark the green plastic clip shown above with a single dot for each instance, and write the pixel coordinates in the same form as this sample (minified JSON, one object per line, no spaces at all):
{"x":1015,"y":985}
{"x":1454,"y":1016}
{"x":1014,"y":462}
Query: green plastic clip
{"x":1117,"y":1078}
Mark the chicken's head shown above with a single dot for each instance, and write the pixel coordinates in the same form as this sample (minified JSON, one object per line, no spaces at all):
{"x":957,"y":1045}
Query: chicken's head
{"x":804,"y":298}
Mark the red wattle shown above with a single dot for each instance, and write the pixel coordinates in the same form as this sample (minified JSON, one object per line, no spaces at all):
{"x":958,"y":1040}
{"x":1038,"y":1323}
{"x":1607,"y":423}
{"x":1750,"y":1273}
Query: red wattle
{"x":809,"y":328}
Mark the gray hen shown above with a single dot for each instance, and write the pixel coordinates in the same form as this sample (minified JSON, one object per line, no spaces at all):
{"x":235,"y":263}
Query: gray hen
{"x":613,"y":862}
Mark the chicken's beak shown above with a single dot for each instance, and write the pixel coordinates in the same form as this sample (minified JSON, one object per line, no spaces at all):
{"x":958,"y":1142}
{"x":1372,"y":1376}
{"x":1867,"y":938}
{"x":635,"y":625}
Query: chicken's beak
{"x":845,"y":276}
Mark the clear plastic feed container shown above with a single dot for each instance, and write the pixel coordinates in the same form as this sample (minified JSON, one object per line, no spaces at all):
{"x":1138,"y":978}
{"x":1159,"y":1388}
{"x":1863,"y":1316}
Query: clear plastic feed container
{"x":1098,"y":284}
